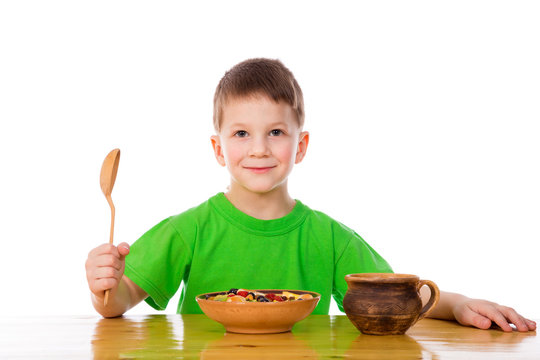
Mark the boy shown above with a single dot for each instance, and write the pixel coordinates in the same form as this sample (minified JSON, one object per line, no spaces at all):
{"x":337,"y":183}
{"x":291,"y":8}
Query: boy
{"x":255,"y":235}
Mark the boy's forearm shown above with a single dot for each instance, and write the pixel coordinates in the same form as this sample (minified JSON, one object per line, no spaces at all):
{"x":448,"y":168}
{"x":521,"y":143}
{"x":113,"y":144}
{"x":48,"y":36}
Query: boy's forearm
{"x":445,"y":307}
{"x":119,"y":301}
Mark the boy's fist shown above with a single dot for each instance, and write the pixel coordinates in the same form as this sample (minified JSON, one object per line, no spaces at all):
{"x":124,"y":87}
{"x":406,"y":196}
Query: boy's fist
{"x":105,"y":267}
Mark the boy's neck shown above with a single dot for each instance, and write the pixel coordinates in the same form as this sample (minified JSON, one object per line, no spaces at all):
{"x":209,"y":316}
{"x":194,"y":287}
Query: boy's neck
{"x":265,"y":206}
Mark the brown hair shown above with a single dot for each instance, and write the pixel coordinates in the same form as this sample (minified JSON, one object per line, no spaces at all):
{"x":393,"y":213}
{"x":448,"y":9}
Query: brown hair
{"x":259,"y":77}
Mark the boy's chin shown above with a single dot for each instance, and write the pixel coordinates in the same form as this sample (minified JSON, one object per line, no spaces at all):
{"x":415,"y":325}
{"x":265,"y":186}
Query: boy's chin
{"x":263,"y":191}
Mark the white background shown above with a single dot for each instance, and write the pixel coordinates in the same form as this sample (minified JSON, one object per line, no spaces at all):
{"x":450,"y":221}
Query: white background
{"x":424,"y":119}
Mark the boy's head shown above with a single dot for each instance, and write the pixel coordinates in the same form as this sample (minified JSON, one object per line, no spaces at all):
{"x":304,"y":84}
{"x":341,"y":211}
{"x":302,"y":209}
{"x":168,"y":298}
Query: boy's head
{"x":258,"y":116}
{"x":256,"y":77}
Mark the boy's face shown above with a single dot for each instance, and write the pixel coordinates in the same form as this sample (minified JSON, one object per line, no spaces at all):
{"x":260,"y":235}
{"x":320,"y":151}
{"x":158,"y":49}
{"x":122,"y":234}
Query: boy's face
{"x":259,"y":142}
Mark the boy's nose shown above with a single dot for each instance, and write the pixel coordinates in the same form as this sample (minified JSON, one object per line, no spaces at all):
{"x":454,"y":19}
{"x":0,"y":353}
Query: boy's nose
{"x":259,"y":147}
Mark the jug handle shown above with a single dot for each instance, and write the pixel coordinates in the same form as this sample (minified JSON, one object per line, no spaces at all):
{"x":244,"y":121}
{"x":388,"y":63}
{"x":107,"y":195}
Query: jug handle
{"x":433,"y":299}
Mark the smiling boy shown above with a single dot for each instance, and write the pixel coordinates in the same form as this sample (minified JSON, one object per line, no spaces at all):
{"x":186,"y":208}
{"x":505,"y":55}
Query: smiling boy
{"x":255,"y":235}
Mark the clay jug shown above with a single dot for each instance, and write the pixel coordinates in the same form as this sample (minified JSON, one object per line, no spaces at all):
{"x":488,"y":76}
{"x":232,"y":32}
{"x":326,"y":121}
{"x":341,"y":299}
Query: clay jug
{"x":386,"y":304}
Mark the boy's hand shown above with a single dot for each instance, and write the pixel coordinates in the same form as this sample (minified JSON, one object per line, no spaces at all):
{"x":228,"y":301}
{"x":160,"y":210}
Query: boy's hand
{"x":105,"y":267}
{"x":481,"y":314}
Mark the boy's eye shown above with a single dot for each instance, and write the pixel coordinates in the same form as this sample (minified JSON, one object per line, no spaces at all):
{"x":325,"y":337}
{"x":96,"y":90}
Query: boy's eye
{"x":241,"y":133}
{"x":276,"y":132}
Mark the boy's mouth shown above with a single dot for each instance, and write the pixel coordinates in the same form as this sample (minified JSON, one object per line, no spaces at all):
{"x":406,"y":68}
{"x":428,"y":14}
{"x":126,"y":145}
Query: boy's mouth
{"x":259,"y":170}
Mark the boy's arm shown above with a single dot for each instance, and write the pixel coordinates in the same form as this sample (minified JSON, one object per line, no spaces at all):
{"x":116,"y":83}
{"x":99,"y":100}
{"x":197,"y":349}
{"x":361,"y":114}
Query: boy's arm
{"x":121,"y":299}
{"x":476,"y":312}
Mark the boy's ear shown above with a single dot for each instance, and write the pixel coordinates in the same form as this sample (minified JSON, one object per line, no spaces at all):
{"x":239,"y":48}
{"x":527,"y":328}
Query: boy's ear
{"x":218,"y":150}
{"x":302,"y":146}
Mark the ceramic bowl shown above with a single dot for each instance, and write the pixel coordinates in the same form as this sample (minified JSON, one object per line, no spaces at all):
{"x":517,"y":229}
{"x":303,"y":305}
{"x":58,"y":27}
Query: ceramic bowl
{"x":258,"y":317}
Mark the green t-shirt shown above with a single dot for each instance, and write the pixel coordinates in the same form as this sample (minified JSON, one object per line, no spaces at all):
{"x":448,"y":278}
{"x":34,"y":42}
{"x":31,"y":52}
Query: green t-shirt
{"x":215,"y":247}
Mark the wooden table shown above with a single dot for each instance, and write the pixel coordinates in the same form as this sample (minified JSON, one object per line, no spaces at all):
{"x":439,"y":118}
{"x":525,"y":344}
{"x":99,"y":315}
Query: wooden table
{"x":196,"y":336}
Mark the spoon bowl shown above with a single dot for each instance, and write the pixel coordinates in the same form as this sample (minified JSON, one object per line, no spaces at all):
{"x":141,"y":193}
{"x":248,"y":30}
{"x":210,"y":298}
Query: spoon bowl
{"x":109,"y":169}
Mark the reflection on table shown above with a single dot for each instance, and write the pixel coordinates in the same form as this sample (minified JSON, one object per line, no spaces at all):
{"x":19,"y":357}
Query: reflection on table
{"x":319,"y":336}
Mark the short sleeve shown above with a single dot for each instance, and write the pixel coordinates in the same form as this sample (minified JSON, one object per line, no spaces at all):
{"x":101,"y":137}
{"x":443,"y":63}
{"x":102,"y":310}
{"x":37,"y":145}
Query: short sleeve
{"x":357,"y":257}
{"x":157,"y":262}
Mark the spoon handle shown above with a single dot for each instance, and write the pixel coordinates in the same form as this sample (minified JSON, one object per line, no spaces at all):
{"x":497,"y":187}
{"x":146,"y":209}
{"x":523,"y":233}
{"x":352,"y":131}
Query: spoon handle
{"x":109,"y":200}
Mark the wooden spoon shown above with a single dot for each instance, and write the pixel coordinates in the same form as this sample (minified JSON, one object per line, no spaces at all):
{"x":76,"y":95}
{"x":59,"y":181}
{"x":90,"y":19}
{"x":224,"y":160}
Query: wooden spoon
{"x":106,"y":180}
